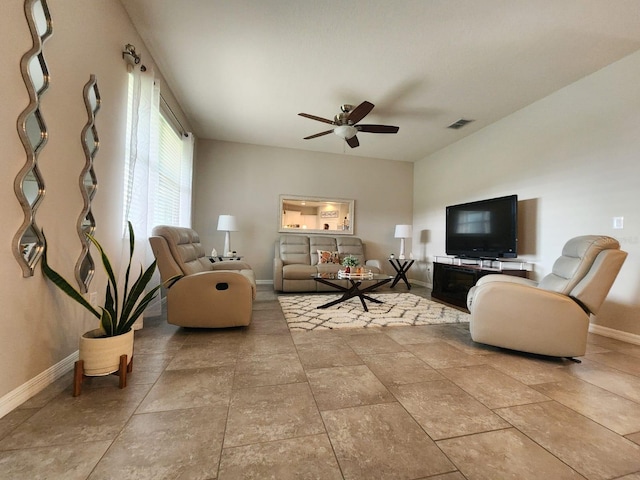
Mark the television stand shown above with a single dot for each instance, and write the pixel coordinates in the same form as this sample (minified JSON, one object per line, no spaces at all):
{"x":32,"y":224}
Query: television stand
{"x":453,"y":277}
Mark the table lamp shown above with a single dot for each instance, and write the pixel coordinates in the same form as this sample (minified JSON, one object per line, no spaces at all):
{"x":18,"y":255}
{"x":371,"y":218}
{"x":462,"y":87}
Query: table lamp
{"x":227,"y":223}
{"x":402,"y":232}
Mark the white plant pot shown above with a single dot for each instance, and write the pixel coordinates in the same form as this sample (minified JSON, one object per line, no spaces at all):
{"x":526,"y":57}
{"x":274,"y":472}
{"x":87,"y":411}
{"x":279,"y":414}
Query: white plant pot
{"x":101,"y":355}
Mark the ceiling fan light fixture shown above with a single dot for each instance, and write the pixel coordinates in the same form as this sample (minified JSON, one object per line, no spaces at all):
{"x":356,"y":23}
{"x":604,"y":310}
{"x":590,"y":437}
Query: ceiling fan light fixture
{"x":345,"y":131}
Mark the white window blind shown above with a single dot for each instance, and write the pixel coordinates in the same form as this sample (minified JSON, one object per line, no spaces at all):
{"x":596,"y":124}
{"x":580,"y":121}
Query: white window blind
{"x":167,"y":205}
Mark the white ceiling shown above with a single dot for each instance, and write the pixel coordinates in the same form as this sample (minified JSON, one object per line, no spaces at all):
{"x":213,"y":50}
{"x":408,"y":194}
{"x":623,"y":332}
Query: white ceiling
{"x":243,"y":69}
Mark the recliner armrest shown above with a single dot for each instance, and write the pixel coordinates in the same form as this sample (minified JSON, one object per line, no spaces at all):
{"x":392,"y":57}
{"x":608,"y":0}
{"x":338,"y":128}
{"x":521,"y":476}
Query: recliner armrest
{"x":230,"y":265}
{"x":374,"y":263}
{"x":278,"y":264}
{"x":505,"y":279}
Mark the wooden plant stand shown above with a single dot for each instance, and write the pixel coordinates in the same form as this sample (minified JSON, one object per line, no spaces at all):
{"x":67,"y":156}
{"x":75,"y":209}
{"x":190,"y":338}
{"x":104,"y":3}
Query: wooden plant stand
{"x":79,"y":376}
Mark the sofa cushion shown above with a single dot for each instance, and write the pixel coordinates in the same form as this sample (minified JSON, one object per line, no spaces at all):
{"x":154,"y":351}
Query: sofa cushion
{"x":351,"y":246}
{"x":578,"y":256}
{"x":329,"y":267}
{"x":184,"y":244}
{"x":294,"y":249}
{"x":298,"y":271}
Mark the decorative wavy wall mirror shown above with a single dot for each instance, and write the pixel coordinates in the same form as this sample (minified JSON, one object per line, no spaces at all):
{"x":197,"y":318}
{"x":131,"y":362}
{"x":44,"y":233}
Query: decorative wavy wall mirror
{"x":300,"y":214}
{"x":85,"y":267}
{"x":28,"y":184}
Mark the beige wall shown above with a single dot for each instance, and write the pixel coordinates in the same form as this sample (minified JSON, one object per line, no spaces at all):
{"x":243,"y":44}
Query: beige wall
{"x":38,"y":327}
{"x":573,"y":160}
{"x":246,"y":181}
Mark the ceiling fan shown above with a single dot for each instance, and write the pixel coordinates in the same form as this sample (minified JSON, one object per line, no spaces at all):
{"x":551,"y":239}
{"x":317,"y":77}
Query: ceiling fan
{"x":346,"y":121}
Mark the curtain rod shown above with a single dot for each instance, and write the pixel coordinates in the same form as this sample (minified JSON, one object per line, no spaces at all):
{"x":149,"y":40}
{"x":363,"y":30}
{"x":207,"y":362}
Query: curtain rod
{"x":183,"y":131}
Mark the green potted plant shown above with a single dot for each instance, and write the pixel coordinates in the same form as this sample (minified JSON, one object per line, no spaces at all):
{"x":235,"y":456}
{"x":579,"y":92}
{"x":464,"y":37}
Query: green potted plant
{"x":349,"y":261}
{"x":101,"y":348}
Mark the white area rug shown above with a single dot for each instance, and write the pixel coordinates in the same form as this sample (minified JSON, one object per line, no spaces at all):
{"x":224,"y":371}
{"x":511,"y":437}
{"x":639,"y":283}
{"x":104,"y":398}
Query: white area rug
{"x":301,"y":312}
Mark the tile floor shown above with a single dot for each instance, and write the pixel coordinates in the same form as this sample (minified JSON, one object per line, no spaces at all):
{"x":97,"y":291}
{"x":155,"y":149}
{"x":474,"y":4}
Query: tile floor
{"x":398,"y":403}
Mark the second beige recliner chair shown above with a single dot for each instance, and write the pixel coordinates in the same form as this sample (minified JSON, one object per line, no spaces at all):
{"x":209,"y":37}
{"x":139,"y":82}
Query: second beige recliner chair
{"x":550,"y":317}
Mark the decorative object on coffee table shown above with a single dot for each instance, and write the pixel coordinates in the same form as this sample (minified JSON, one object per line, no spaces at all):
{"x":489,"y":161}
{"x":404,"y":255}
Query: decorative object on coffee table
{"x":349,"y":262}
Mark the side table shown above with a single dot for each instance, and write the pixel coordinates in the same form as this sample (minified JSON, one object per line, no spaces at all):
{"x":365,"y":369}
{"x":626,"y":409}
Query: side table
{"x":401,"y":267}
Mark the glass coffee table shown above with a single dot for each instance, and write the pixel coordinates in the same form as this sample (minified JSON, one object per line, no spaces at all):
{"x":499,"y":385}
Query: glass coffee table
{"x":358,"y":286}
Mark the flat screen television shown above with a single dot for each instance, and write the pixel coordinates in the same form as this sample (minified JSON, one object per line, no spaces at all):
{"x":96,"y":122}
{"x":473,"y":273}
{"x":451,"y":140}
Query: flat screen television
{"x":483,"y":229}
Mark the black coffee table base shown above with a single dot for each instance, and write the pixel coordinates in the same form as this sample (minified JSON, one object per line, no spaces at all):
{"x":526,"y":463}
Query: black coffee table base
{"x":353,"y":290}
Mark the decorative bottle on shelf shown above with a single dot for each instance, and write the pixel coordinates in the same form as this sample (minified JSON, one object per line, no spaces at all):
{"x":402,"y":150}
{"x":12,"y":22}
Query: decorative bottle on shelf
{"x":347,"y":269}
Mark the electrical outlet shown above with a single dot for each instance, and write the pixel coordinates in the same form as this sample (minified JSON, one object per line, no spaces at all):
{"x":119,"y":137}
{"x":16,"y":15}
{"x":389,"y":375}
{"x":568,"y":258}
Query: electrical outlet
{"x":93,"y":299}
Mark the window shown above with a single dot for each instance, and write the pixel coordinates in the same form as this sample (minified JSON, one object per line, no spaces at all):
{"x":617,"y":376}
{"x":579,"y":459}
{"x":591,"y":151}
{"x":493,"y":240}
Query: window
{"x":174,"y":179}
{"x":158,"y":164}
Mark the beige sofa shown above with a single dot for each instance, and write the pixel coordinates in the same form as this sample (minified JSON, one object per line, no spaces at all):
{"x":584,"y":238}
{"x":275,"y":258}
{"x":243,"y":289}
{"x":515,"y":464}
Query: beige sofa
{"x":550,"y":317}
{"x":296,"y":260}
{"x":206,"y":295}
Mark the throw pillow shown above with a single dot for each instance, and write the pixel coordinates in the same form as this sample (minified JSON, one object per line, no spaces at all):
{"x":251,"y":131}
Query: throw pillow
{"x":325,"y":256}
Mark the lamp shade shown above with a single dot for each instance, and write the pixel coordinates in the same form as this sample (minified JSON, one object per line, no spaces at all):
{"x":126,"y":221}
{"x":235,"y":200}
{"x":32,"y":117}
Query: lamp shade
{"x":227,"y":223}
{"x":404,"y":231}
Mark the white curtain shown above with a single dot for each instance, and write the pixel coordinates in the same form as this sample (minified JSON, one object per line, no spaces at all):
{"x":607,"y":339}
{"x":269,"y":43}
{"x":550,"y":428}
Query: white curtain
{"x":186,"y":176}
{"x":142,"y":152}
{"x":143,"y":149}
{"x":147,"y":163}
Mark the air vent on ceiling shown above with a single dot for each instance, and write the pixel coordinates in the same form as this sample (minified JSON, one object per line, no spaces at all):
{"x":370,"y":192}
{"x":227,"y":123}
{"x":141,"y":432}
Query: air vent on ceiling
{"x":459,"y":124}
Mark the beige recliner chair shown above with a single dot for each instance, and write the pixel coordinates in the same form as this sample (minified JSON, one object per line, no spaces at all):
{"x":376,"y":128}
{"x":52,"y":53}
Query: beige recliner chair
{"x":550,"y":317}
{"x":207,"y":295}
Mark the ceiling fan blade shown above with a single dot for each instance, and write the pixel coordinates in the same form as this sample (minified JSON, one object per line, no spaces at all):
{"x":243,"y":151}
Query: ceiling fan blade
{"x":360,"y":112}
{"x":378,"y":128}
{"x":320,"y":119}
{"x":318,"y":134}
{"x":353,"y":141}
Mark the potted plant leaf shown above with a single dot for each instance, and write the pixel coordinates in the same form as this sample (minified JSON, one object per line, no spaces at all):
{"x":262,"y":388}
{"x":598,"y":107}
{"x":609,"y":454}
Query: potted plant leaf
{"x":349,"y":262}
{"x":101,"y":349}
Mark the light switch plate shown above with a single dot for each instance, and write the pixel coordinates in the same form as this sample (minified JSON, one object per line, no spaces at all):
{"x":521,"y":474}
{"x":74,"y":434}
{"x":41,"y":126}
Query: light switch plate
{"x":618,"y":223}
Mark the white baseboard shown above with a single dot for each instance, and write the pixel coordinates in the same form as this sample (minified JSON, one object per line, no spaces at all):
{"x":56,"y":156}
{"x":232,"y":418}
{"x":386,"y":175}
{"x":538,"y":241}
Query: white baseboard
{"x":615,"y":334}
{"x":24,"y":392}
{"x":264,"y":282}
